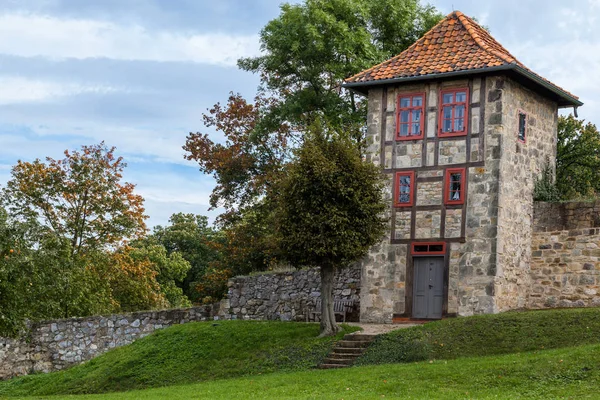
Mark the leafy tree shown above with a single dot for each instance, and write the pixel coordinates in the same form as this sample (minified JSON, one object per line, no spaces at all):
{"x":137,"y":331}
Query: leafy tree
{"x":308,"y":50}
{"x":191,"y":237}
{"x":132,"y":278}
{"x":171,"y":269}
{"x":312,"y":47}
{"x":80,"y":198}
{"x":40,"y":279}
{"x":330,"y":207}
{"x":577,"y":158}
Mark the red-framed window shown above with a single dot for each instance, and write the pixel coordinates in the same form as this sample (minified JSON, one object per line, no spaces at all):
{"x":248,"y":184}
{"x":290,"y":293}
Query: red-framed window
{"x":410,"y":116}
{"x":522,"y":131}
{"x":454,"y":186}
{"x":404,"y":189}
{"x":454,"y":112}
{"x":427,"y":248}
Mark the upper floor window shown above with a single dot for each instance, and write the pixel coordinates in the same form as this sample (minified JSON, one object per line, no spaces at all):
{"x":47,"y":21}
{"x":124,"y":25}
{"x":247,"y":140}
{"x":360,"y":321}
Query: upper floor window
{"x":453,"y":118}
{"x":455,"y":186}
{"x":522,"y":126}
{"x":410,"y":116}
{"x":404,"y":189}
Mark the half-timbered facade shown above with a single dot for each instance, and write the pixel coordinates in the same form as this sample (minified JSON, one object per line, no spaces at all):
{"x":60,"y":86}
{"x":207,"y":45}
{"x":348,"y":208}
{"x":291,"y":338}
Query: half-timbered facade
{"x":462,"y":129}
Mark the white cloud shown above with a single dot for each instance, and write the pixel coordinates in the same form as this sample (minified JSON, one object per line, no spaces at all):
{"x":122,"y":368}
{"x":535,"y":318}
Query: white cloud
{"x":21,"y":90}
{"x":145,"y":144}
{"x":38,"y":35}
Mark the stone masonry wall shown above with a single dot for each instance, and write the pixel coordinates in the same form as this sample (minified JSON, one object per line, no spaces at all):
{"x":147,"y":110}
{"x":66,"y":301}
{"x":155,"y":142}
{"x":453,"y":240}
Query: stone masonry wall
{"x":55,"y":345}
{"x":286,"y":296}
{"x":472,"y":265}
{"x":549,"y":217}
{"x":565,"y":269}
{"x":384,"y":269}
{"x":521,"y":163}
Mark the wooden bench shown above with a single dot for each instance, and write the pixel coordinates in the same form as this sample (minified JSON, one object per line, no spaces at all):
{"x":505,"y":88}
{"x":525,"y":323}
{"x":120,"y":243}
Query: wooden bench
{"x":340,"y":307}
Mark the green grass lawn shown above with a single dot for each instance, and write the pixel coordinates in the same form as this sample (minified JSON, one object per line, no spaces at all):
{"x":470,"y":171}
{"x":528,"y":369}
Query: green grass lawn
{"x":485,"y":335}
{"x":187,"y":353}
{"x":568,"y":373}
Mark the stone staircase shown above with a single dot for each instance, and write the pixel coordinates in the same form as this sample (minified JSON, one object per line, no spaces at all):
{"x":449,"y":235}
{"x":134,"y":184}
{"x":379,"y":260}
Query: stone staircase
{"x":347,"y":350}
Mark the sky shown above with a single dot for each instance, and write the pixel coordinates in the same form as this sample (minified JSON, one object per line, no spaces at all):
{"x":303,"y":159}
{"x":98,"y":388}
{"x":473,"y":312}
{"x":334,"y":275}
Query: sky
{"x":139,"y":74}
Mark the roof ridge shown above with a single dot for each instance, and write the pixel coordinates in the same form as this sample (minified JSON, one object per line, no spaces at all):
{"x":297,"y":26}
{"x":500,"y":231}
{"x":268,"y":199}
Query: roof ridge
{"x":471,"y":26}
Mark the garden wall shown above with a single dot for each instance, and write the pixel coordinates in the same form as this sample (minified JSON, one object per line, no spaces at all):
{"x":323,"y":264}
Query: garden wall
{"x":565,"y":264}
{"x":287,"y":296}
{"x":565,"y":269}
{"x":551,"y":217}
{"x":55,"y":345}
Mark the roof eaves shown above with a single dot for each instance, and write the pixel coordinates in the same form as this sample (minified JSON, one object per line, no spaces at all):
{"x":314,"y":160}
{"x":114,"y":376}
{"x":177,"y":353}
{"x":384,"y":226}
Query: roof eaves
{"x":570,"y":99}
{"x":439,"y":75}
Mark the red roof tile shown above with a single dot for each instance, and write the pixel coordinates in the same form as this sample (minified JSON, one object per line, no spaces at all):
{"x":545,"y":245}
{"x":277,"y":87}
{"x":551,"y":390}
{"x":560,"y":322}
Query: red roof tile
{"x":455,"y":44}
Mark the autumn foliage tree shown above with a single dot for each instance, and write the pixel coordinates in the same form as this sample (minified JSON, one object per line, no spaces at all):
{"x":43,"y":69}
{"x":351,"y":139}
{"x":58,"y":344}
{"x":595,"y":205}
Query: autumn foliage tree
{"x":245,"y":166}
{"x":65,"y":231}
{"x":80,"y":198}
{"x":245,"y":163}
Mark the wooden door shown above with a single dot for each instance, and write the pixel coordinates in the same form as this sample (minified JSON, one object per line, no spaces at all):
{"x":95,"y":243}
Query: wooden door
{"x":428,"y":287}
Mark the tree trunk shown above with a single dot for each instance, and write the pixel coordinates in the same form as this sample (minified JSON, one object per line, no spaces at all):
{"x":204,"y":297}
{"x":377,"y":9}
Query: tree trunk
{"x":328,"y":325}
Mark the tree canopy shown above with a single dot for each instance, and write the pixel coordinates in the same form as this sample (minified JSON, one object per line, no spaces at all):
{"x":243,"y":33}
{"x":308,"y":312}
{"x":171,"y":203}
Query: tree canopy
{"x":577,"y":171}
{"x":307,"y":52}
{"x":577,"y":158}
{"x":310,"y":49}
{"x":66,"y":248}
{"x":190,"y":237}
{"x":80,"y":198}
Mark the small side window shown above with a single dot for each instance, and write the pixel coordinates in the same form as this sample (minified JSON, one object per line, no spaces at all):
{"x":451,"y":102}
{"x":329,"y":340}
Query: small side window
{"x":522,"y":127}
{"x":404,"y":189}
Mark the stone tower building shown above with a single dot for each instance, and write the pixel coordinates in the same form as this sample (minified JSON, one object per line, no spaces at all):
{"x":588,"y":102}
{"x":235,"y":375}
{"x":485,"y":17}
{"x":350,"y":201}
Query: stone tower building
{"x":462,"y":129}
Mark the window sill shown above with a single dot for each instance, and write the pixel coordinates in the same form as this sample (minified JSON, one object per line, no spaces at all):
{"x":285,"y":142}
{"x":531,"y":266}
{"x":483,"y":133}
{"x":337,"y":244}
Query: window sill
{"x":452,"y":134}
{"x":406,"y":138}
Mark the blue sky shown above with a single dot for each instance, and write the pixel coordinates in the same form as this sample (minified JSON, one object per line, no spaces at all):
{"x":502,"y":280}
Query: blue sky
{"x":138,"y":74}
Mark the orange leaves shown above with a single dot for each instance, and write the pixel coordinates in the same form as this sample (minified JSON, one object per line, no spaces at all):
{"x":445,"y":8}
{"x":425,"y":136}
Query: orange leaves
{"x":133,"y":281}
{"x":80,"y":198}
{"x":246,"y":161}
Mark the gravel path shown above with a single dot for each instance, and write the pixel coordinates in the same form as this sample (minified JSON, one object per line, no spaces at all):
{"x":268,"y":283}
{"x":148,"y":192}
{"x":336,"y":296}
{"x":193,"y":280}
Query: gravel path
{"x":378,"y":329}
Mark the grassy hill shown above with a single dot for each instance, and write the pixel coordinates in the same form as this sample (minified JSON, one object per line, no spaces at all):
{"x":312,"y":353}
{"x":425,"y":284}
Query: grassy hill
{"x":569,"y":373}
{"x":187,"y":353}
{"x":203,"y":352}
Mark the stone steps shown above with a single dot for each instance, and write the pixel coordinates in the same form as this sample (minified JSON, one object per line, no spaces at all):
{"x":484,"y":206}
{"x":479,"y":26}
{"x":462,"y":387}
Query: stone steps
{"x":347,"y":350}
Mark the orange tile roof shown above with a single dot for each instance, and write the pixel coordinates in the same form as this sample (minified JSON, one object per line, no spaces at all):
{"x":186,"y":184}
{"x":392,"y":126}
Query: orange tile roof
{"x":455,"y":44}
